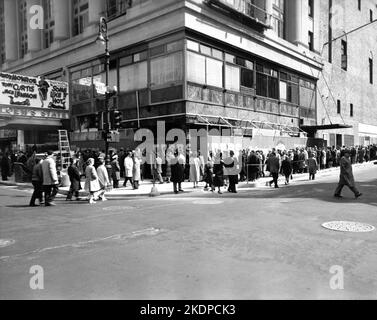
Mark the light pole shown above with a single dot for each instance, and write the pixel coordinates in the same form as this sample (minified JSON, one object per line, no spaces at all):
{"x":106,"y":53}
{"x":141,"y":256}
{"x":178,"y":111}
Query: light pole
{"x":103,"y":39}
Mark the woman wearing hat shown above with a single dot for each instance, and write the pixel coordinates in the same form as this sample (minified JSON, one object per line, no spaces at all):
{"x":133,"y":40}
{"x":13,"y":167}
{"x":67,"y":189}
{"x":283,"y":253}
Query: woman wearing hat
{"x":91,"y":182}
{"x":115,"y":171}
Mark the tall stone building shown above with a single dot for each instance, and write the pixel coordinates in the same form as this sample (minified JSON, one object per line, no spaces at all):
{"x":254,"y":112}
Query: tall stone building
{"x":256,"y":68}
{"x":347,"y":86}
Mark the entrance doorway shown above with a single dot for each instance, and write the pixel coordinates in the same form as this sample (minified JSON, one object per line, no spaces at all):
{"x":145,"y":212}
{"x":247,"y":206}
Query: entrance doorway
{"x":339,"y":140}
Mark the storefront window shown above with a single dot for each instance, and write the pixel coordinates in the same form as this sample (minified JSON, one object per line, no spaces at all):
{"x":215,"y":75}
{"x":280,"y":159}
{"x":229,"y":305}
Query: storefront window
{"x":273,"y":88}
{"x":133,"y":77}
{"x":247,"y":78}
{"x":307,"y":96}
{"x":167,"y":69}
{"x":261,"y":84}
{"x":283,"y":91}
{"x":84,"y":123}
{"x":81,"y":85}
{"x":196,"y":68}
{"x":214,"y":72}
{"x":192,"y":45}
{"x":232,"y":78}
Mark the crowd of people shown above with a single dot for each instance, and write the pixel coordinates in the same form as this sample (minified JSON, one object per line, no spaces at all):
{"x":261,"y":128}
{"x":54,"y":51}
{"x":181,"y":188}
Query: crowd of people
{"x":221,"y":169}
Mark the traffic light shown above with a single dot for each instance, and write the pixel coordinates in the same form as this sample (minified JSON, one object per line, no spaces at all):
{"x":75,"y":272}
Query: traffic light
{"x":99,"y":121}
{"x":116,"y":119}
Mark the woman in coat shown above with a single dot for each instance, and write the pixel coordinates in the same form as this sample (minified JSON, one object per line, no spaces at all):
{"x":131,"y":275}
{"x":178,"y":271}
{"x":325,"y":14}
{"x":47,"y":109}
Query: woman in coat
{"x":169,"y":157}
{"x":128,"y":169}
{"x":194,"y":169}
{"x":312,"y":167}
{"x":136,"y":176}
{"x":218,"y":170}
{"x":208,"y":175}
{"x":91,"y":181}
{"x":115,"y":172}
{"x":286,"y":169}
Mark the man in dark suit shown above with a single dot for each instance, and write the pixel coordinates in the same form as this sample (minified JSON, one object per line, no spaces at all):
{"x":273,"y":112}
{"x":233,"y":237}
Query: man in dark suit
{"x":74,"y":177}
{"x":231,"y":165}
{"x":177,"y":172}
{"x":274,"y":166}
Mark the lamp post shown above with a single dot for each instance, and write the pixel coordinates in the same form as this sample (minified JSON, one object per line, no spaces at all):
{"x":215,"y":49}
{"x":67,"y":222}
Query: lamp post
{"x":103,"y":39}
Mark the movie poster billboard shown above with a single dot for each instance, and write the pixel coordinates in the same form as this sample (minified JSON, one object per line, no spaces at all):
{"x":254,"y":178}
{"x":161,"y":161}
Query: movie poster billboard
{"x":19,"y":90}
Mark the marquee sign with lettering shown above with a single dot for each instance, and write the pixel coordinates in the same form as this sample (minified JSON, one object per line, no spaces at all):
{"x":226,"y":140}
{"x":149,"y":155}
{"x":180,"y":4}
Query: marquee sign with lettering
{"x":30,"y":92}
{"x":34,"y":112}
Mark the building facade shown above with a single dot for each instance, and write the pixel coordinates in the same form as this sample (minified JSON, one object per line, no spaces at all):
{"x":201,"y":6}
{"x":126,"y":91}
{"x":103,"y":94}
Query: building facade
{"x":347,"y":86}
{"x":254,"y":68}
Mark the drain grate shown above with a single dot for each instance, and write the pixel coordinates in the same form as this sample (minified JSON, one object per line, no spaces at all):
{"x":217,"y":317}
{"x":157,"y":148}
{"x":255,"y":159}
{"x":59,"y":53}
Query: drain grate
{"x":348,"y":226}
{"x":6,"y":243}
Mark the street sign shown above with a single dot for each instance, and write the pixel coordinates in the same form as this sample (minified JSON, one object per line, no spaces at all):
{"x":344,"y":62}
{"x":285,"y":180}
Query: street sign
{"x":113,"y":137}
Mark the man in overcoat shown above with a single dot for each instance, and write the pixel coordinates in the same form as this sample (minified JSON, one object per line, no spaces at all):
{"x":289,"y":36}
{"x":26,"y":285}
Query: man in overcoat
{"x":50,"y":179}
{"x":346,"y":176}
{"x":177,"y":172}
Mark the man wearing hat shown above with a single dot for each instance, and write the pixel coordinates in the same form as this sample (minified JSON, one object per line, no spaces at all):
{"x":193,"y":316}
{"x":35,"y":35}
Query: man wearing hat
{"x":346,"y":176}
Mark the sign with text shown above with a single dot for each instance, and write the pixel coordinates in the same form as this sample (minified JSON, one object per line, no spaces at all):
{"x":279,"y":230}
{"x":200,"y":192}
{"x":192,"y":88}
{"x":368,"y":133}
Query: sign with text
{"x":31,"y":92}
{"x":34,"y":112}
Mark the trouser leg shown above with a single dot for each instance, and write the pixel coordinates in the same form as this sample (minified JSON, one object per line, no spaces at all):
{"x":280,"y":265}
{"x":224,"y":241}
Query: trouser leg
{"x":70,"y":194}
{"x":35,"y":193}
{"x":339,"y":189}
{"x":54,"y":192}
{"x":276,"y":177}
{"x":355,"y":190}
{"x":47,"y":191}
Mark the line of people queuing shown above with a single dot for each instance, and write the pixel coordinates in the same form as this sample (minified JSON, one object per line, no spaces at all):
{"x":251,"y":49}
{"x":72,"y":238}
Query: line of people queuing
{"x":220,"y":169}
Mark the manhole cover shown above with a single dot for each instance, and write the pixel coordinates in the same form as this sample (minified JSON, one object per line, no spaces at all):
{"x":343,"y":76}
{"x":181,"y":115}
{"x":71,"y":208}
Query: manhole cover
{"x":6,"y":242}
{"x":208,"y":202}
{"x":347,"y":226}
{"x":118,"y":208}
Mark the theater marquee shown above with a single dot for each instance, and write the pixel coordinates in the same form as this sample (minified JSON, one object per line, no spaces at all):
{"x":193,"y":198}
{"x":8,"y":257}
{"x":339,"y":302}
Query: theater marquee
{"x":33,"y":97}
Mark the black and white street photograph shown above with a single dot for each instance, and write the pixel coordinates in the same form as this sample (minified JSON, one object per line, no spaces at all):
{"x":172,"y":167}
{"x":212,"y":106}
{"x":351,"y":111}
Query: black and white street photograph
{"x":188,"y":150}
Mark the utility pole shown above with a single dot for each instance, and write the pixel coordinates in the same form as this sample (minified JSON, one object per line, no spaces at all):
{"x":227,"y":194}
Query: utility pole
{"x":103,"y":39}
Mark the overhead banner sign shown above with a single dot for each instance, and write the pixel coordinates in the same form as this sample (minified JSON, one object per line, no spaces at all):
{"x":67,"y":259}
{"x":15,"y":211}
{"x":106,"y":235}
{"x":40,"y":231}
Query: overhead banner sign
{"x":30,"y":92}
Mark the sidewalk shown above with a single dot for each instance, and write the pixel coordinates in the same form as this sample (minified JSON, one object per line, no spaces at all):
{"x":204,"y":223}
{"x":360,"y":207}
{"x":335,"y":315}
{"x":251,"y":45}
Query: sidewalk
{"x":167,"y":188}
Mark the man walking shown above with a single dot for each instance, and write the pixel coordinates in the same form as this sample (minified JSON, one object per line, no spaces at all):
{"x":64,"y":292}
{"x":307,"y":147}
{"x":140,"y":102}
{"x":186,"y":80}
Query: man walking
{"x":103,"y":178}
{"x":75,"y":179}
{"x":37,"y":180}
{"x":50,"y":179}
{"x":274,"y":166}
{"x":346,"y":176}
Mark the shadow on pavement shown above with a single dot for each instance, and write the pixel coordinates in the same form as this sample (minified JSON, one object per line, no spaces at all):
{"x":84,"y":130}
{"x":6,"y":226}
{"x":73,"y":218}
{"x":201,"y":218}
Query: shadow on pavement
{"x":319,"y":191}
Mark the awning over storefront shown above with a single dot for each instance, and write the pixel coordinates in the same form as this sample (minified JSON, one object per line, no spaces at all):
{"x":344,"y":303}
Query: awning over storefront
{"x":209,"y":121}
{"x":245,"y":124}
{"x":333,"y":126}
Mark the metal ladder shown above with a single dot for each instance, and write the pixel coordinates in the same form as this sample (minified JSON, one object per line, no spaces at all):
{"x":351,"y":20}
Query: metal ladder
{"x":65,"y":150}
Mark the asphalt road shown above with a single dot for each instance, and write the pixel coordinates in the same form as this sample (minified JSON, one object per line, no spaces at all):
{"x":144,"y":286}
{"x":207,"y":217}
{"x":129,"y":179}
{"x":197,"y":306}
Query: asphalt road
{"x":261,"y":244}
